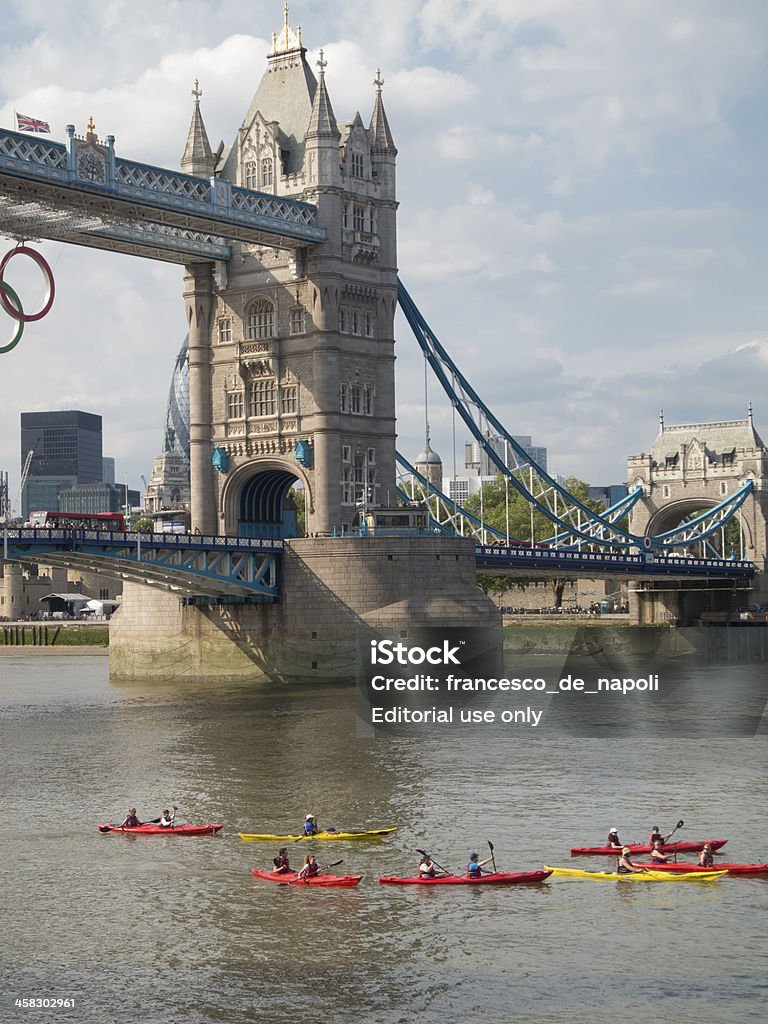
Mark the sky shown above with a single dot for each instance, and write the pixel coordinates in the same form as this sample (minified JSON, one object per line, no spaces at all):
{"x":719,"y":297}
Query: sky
{"x":582,"y":205}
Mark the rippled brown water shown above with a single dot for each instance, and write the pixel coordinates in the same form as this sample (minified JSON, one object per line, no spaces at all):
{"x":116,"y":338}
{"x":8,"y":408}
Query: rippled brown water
{"x":170,"y":929}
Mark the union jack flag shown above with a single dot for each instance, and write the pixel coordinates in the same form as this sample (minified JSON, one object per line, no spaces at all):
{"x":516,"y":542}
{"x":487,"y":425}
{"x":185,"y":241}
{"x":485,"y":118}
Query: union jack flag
{"x":31,"y":124}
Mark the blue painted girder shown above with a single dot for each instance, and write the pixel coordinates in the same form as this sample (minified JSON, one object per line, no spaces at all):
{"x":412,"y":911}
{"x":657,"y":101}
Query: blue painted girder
{"x":188,"y":564}
{"x":553,"y":562}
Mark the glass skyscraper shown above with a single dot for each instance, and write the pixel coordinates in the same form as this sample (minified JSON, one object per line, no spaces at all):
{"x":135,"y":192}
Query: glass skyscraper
{"x":66,"y":449}
{"x":176,"y":436}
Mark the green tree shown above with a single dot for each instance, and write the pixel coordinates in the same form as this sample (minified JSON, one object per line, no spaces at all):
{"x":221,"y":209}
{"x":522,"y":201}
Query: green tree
{"x":298,"y":496}
{"x":142,"y":523}
{"x":497,"y":506}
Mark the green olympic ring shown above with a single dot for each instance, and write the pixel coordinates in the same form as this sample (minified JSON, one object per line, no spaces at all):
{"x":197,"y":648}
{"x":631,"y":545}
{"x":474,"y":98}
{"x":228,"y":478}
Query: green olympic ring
{"x":6,"y":290}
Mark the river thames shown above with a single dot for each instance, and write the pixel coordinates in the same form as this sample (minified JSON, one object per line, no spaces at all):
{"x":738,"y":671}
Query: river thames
{"x":170,"y":929}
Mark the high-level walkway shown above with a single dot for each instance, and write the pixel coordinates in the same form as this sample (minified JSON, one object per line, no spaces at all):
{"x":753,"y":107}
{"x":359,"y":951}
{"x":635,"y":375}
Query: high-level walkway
{"x":80,"y":192}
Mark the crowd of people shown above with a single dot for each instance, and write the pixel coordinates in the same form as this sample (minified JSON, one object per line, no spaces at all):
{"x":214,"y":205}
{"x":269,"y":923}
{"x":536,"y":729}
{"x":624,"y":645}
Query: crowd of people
{"x":625,"y":865}
{"x":593,"y":609}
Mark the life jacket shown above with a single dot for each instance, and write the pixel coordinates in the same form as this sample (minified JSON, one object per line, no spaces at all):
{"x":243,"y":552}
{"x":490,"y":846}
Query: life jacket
{"x":312,"y":870}
{"x":426,"y":872}
{"x":473,"y":869}
{"x":610,"y":841}
{"x":707,"y":861}
{"x":309,"y":828}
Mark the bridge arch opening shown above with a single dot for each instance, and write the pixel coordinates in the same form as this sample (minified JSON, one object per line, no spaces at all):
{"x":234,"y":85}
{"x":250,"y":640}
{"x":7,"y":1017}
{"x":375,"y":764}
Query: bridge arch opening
{"x":732,"y":540}
{"x":265,"y":502}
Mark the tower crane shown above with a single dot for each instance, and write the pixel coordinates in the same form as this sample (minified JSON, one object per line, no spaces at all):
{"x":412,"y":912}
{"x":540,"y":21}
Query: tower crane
{"x":24,"y":475}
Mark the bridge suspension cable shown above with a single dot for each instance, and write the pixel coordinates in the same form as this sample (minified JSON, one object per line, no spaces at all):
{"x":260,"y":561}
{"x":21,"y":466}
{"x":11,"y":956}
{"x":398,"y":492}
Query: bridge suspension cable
{"x":575,"y":524}
{"x":449,"y":516}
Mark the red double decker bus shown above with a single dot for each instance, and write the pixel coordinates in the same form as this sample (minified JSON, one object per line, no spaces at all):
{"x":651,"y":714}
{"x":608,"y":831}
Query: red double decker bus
{"x":78,"y":520}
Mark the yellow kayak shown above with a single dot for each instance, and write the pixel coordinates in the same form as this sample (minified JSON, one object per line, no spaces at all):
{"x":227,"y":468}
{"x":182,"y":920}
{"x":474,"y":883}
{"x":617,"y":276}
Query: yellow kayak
{"x":266,"y":837}
{"x":641,"y":876}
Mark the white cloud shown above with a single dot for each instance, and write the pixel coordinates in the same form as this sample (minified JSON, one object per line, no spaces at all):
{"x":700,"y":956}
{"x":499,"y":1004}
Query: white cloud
{"x":480,"y":196}
{"x":580,"y":201}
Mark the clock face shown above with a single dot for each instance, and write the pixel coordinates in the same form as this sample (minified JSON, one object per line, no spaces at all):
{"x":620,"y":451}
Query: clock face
{"x":90,"y":168}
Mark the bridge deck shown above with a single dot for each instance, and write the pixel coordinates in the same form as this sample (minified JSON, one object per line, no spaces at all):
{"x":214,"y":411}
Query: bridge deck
{"x":248,"y":568}
{"x":502,"y":560}
{"x":189,"y":564}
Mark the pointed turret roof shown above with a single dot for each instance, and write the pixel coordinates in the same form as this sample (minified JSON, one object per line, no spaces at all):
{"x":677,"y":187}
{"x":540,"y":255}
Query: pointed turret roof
{"x":381,"y":136}
{"x":285,"y":95}
{"x":322,"y":122}
{"x":198,"y":157}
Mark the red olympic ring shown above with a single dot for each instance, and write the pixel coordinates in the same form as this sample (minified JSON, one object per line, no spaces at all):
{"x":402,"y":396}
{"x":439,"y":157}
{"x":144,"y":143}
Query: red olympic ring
{"x":17,"y":313}
{"x":16,"y":337}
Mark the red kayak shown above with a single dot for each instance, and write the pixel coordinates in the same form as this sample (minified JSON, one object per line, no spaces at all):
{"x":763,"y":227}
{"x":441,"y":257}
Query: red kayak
{"x":292,"y":877}
{"x":682,"y":847}
{"x":732,"y":869}
{"x":156,"y":830}
{"x":499,"y":878}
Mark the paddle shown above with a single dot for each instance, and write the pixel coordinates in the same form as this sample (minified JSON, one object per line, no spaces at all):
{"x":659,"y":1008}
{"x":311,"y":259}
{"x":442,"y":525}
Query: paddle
{"x":677,"y":826}
{"x":440,"y":866}
{"x":490,"y":847}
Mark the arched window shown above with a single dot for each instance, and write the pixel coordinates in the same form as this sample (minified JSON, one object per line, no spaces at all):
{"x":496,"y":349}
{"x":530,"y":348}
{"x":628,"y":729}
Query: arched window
{"x":260,"y":320}
{"x":251,"y":175}
{"x":297,"y":320}
{"x":266,"y":173}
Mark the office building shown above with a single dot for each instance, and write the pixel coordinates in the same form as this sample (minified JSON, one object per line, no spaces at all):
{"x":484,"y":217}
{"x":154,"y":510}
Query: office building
{"x":66,"y":449}
{"x":478,"y":460}
{"x":97,"y":497}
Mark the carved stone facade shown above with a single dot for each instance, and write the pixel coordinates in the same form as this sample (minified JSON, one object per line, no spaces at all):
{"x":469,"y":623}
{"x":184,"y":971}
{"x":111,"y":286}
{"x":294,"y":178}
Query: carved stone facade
{"x":292,"y":351}
{"x":695,"y":466}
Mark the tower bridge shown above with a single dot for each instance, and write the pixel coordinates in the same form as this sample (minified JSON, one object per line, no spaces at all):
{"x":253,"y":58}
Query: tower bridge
{"x":289,"y":245}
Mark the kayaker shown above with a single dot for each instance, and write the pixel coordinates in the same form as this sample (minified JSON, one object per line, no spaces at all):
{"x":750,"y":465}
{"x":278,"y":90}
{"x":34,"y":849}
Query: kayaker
{"x":130,"y":820}
{"x":624,"y":865}
{"x":167,"y":819}
{"x":475,"y":866}
{"x":656,"y":834}
{"x":657,"y":853}
{"x":706,"y":857}
{"x":310,"y":868}
{"x":280,"y":862}
{"x":613,"y":839}
{"x":428,"y":868}
{"x":310,"y":825}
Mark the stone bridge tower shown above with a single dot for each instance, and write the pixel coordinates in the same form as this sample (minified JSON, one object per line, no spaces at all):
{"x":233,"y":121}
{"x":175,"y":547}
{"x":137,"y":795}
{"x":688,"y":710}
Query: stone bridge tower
{"x":291,"y":353}
{"x":692,"y":467}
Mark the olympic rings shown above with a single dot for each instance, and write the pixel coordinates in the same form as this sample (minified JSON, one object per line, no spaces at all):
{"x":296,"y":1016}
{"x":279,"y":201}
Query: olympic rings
{"x":15,"y":338}
{"x":17,"y":313}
